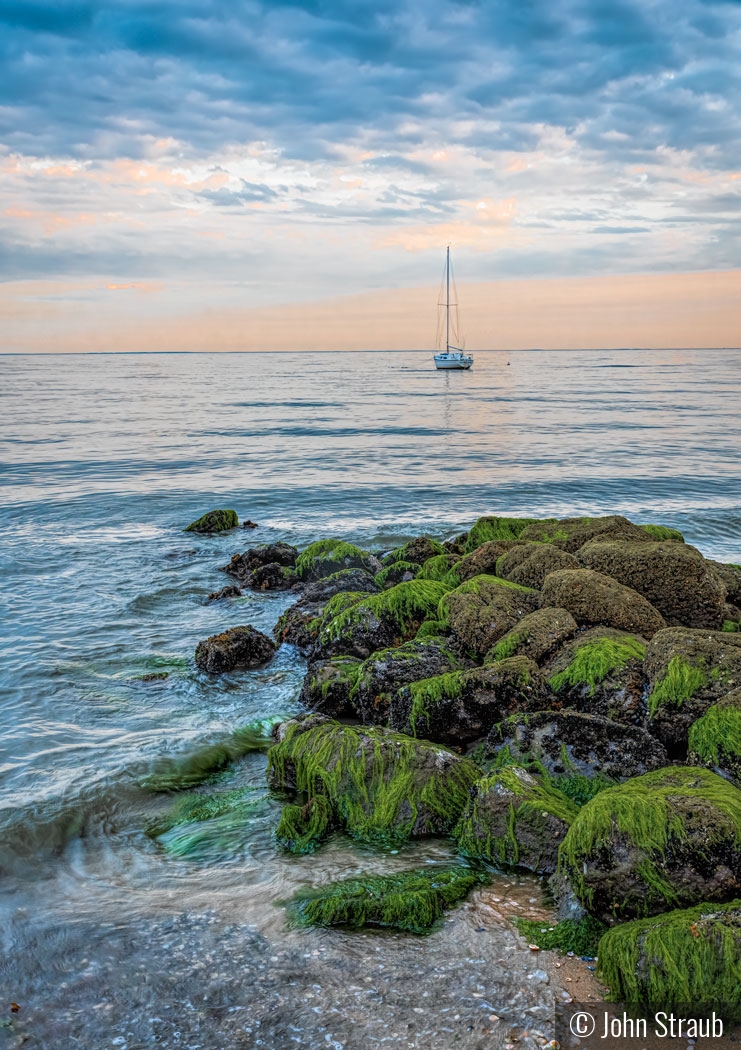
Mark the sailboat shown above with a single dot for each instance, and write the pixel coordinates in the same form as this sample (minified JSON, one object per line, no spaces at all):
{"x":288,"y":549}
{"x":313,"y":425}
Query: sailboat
{"x":452,"y":356}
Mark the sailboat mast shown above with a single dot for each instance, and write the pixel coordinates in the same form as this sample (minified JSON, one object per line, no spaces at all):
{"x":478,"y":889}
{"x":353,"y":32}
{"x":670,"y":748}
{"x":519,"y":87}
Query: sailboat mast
{"x":447,"y":300}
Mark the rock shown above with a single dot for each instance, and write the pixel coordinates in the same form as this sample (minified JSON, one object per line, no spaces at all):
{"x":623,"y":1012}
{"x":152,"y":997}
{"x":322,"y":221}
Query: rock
{"x":483,"y":561}
{"x":417,"y":551}
{"x":495,"y":528}
{"x":460,"y":707}
{"x":514,"y":819}
{"x":688,"y":671}
{"x":592,"y":598}
{"x":730,"y":576}
{"x":384,"y":672}
{"x":535,"y":636}
{"x":357,"y":581}
{"x":230,"y":591}
{"x":214,"y":521}
{"x":243,"y":565}
{"x":382,"y":788}
{"x":668,"y":838}
{"x":326,"y":557}
{"x":380,"y":621}
{"x":301,"y":623}
{"x":674,"y":577}
{"x":715,"y":739}
{"x":270,"y":577}
{"x":249,"y":524}
{"x":567,"y":744}
{"x":572,"y":533}
{"x":600,"y":672}
{"x":396,"y":572}
{"x":328,"y":685}
{"x":457,"y":545}
{"x":529,"y":563}
{"x":689,"y":955}
{"x":237,"y":648}
{"x":483,"y":609}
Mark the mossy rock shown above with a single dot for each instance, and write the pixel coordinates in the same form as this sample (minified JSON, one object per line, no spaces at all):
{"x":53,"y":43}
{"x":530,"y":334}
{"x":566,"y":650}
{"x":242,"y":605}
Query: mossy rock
{"x":688,"y":671}
{"x":328,"y":686}
{"x":673,"y":577}
{"x":326,"y":557}
{"x":715,"y":739}
{"x":381,"y":620}
{"x":483,"y":609}
{"x":385,"y":672}
{"x":730,"y":576}
{"x":214,"y":521}
{"x":600,"y":672}
{"x":515,"y":819}
{"x":320,"y":601}
{"x":460,"y":707}
{"x":670,"y":838}
{"x":299,"y":625}
{"x":383,"y":788}
{"x":481,"y":562}
{"x":396,"y":572}
{"x":565,"y":743}
{"x":529,"y":563}
{"x":243,"y":565}
{"x":495,"y":528}
{"x":662,"y":532}
{"x":535,"y":636}
{"x":690,"y":955}
{"x":416,"y":551}
{"x":302,"y":829}
{"x":235,"y":649}
{"x":593,"y":598}
{"x":410,"y":901}
{"x":438,"y":567}
{"x":570,"y":534}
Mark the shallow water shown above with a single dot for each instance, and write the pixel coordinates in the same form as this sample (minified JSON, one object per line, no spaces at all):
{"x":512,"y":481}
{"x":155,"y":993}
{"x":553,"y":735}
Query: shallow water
{"x":112,"y":941}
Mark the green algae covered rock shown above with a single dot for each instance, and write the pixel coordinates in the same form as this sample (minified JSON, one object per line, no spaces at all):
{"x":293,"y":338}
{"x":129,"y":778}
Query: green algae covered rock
{"x":593,"y":598}
{"x":670,"y":838}
{"x":416,"y":552}
{"x":688,"y":671}
{"x":385,"y":672}
{"x":397,"y":572}
{"x":325,"y":557}
{"x":437,"y":568}
{"x":482,"y":609}
{"x":302,"y":829}
{"x":690,"y":955}
{"x":600,"y":672}
{"x":382,"y":788}
{"x":535,"y":636}
{"x":529,"y":563}
{"x":460,"y":707}
{"x":572,"y":533}
{"x":481,"y":562}
{"x":715,"y":739}
{"x":214,"y":521}
{"x":328,"y":686}
{"x":412,"y":901}
{"x":673,"y":577}
{"x":495,"y":528}
{"x":515,"y":819}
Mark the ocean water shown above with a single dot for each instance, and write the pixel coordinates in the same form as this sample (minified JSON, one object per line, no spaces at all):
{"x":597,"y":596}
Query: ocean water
{"x":112,"y":939}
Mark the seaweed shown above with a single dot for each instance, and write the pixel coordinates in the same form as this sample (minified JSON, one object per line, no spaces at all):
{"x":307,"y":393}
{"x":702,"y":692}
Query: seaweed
{"x":594,"y":661}
{"x":717,"y":733}
{"x":494,"y":528}
{"x":662,"y":532}
{"x":507,"y":646}
{"x":392,"y":573}
{"x":406,"y":604}
{"x":412,"y":901}
{"x":433,"y":690}
{"x":327,"y":553}
{"x":302,"y":829}
{"x":678,"y":685}
{"x":436,"y":568}
{"x":580,"y":936}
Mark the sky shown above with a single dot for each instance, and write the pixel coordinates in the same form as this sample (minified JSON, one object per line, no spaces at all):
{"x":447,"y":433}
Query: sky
{"x":233,"y":175}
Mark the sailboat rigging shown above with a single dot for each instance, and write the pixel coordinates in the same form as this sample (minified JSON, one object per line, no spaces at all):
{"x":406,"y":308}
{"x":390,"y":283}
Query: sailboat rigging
{"x":453,"y":357}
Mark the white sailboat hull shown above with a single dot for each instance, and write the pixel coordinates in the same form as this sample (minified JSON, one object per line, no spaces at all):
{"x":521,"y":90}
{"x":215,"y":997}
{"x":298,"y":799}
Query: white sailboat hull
{"x":455,"y":360}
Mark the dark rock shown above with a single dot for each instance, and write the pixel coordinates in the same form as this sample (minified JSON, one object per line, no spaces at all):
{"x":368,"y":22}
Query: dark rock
{"x":666,"y":839}
{"x":418,"y":551}
{"x":239,"y":647}
{"x":674,"y":577}
{"x":460,"y":707}
{"x":565,"y":743}
{"x":270,"y":577}
{"x":483,"y":609}
{"x":730,"y":576}
{"x":529,"y":563}
{"x":299,"y":625}
{"x":243,"y":565}
{"x":688,"y":671}
{"x":535,"y":636}
{"x":572,"y":533}
{"x":214,"y":521}
{"x":249,"y":524}
{"x":230,"y":591}
{"x":385,"y":672}
{"x":356,"y":580}
{"x":593,"y":598}
{"x":328,"y":685}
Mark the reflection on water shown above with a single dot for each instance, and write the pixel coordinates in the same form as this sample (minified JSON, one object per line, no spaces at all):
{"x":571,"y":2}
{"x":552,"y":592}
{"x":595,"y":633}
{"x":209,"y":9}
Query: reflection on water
{"x":116,"y":939}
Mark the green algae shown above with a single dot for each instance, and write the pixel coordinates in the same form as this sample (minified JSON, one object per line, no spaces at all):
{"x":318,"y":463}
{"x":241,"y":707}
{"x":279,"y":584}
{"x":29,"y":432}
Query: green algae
{"x":731,"y":626}
{"x":190,"y":770}
{"x":594,"y":661}
{"x":411,"y":901}
{"x":431,"y":629}
{"x":580,"y":936}
{"x":688,"y":955}
{"x":203,"y":826}
{"x":647,"y":811}
{"x":327,"y":554}
{"x":716,"y":734}
{"x":436,"y":568}
{"x":392,"y":573}
{"x":406,"y":604}
{"x":339,"y":603}
{"x":190,"y":809}
{"x":507,"y":646}
{"x":494,"y":528}
{"x":429,"y":691}
{"x":375,"y":791}
{"x":214,"y":521}
{"x":662,"y":532}
{"x":302,"y":829}
{"x":678,"y":685}
{"x":580,"y":789}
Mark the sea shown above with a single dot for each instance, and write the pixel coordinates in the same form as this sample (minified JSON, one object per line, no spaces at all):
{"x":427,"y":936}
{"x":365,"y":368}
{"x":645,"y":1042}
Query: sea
{"x":113,"y":939}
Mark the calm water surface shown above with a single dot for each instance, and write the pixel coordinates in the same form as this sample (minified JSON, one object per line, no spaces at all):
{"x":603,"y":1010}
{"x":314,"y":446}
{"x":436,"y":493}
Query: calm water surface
{"x":113,"y":940}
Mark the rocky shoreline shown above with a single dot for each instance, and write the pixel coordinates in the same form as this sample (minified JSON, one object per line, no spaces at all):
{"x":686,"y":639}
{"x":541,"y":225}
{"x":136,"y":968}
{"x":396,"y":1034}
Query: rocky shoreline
{"x":559,"y":697}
